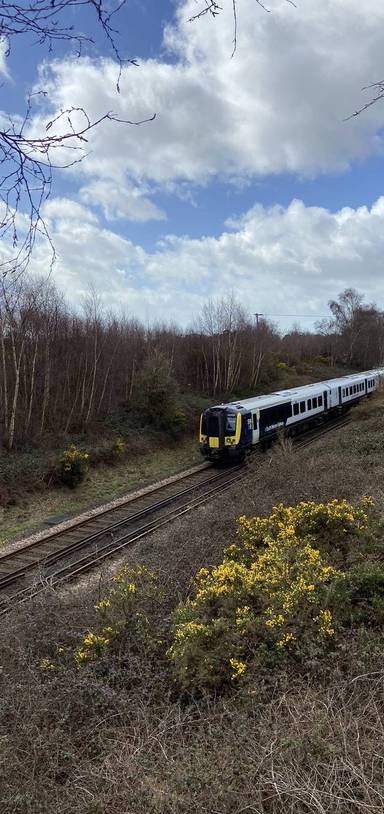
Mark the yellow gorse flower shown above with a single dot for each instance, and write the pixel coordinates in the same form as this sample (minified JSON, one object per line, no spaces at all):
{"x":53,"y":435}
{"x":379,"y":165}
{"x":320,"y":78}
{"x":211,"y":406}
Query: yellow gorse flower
{"x":120,"y":612}
{"x":270,"y":587}
{"x":238,"y":668}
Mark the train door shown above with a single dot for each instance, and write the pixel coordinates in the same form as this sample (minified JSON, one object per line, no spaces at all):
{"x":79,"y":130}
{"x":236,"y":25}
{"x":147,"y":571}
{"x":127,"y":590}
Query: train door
{"x":325,"y":394}
{"x":246,"y":430}
{"x":255,"y":427}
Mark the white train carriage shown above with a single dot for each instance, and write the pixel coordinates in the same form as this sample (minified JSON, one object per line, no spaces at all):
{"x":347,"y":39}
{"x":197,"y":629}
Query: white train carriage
{"x":230,"y":431}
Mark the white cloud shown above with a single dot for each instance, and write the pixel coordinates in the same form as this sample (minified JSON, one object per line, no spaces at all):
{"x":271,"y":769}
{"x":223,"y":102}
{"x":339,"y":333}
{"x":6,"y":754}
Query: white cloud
{"x":3,"y":57}
{"x":277,"y":106}
{"x":62,"y":209}
{"x":276,"y":260}
{"x":120,"y":201}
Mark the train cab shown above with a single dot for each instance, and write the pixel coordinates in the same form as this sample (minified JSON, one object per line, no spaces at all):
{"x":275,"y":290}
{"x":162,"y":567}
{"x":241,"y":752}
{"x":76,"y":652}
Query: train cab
{"x":226,"y":432}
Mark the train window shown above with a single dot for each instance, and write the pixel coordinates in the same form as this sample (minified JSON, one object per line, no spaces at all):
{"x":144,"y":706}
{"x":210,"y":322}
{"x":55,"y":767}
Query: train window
{"x":254,"y":417}
{"x":212,"y":425}
{"x":230,"y":423}
{"x":309,"y":407}
{"x":320,"y":401}
{"x":302,"y":406}
{"x":314,"y":403}
{"x":295,"y":409}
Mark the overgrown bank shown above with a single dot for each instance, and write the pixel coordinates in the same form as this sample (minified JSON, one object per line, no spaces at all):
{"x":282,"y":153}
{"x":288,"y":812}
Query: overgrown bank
{"x":119,"y":733}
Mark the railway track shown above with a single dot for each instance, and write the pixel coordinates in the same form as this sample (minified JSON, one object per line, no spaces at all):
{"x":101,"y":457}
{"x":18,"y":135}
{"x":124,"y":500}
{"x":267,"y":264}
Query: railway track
{"x":69,"y":553}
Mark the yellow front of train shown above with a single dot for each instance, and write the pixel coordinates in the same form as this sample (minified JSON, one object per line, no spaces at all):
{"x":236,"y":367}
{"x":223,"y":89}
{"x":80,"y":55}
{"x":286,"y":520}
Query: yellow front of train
{"x":220,"y":430}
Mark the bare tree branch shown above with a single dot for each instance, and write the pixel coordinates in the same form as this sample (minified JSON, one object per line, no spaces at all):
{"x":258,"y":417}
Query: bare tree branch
{"x":27,"y":162}
{"x":213,"y":8}
{"x":378,"y":88}
{"x":27,"y":166}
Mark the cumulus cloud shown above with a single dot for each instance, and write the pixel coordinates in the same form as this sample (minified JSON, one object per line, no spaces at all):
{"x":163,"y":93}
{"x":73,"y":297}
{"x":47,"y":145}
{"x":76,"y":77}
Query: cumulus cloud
{"x":3,"y":57}
{"x":120,"y":201}
{"x":277,"y":106}
{"x":62,"y":209}
{"x":276,"y":260}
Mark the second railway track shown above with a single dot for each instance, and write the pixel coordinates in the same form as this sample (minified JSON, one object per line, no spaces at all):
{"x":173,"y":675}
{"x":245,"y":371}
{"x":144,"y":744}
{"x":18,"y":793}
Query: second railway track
{"x":70,"y":552}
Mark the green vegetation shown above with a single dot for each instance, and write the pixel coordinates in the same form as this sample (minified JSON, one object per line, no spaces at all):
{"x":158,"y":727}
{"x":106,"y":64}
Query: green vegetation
{"x":73,"y":466}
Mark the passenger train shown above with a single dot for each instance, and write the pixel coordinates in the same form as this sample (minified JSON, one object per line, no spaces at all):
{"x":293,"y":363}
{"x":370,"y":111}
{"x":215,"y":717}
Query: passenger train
{"x":231,"y":431}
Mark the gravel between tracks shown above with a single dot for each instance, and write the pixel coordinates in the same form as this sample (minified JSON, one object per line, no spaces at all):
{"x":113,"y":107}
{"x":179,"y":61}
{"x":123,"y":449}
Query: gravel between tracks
{"x":14,"y":545}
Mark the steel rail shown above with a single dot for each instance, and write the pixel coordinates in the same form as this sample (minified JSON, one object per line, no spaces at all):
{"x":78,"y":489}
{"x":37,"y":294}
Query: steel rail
{"x":56,"y":535}
{"x":90,"y":560}
{"x":88,"y":539}
{"x":51,"y":558}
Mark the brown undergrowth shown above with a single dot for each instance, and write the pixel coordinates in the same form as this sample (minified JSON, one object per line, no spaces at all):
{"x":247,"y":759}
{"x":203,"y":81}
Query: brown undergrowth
{"x":122,"y":738}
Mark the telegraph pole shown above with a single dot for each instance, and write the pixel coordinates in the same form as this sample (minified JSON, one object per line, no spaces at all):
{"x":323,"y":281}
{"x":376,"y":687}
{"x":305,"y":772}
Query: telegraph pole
{"x":257,"y":318}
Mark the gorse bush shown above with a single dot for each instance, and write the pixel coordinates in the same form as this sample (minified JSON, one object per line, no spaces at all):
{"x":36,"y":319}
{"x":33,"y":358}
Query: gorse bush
{"x":118,"y":446}
{"x":124,"y":616}
{"x":74,"y":465}
{"x":278,"y":593}
{"x":358,"y":598}
{"x":270,"y":595}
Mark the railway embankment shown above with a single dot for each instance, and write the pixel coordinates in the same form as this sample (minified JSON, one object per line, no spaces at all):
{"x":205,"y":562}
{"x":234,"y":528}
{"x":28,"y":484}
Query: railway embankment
{"x":95,"y":717}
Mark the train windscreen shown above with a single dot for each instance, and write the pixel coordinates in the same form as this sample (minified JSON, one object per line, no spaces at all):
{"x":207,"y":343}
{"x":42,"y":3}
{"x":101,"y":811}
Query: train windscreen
{"x":213,"y":429}
{"x":230,"y":423}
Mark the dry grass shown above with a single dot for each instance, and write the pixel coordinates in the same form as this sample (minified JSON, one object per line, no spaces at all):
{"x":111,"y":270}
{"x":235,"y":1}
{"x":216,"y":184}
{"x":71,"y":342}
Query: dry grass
{"x":122,"y":741}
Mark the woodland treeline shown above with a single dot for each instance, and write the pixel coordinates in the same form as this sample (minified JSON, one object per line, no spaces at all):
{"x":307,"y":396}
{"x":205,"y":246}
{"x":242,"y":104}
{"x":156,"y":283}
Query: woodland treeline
{"x":62,"y":372}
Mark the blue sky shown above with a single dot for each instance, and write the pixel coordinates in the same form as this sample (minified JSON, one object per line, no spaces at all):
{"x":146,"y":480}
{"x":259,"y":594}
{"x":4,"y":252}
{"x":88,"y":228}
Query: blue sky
{"x":248,"y":182}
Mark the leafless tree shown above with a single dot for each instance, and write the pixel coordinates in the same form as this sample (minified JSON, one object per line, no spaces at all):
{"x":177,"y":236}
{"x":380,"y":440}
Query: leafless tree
{"x":28,"y":161}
